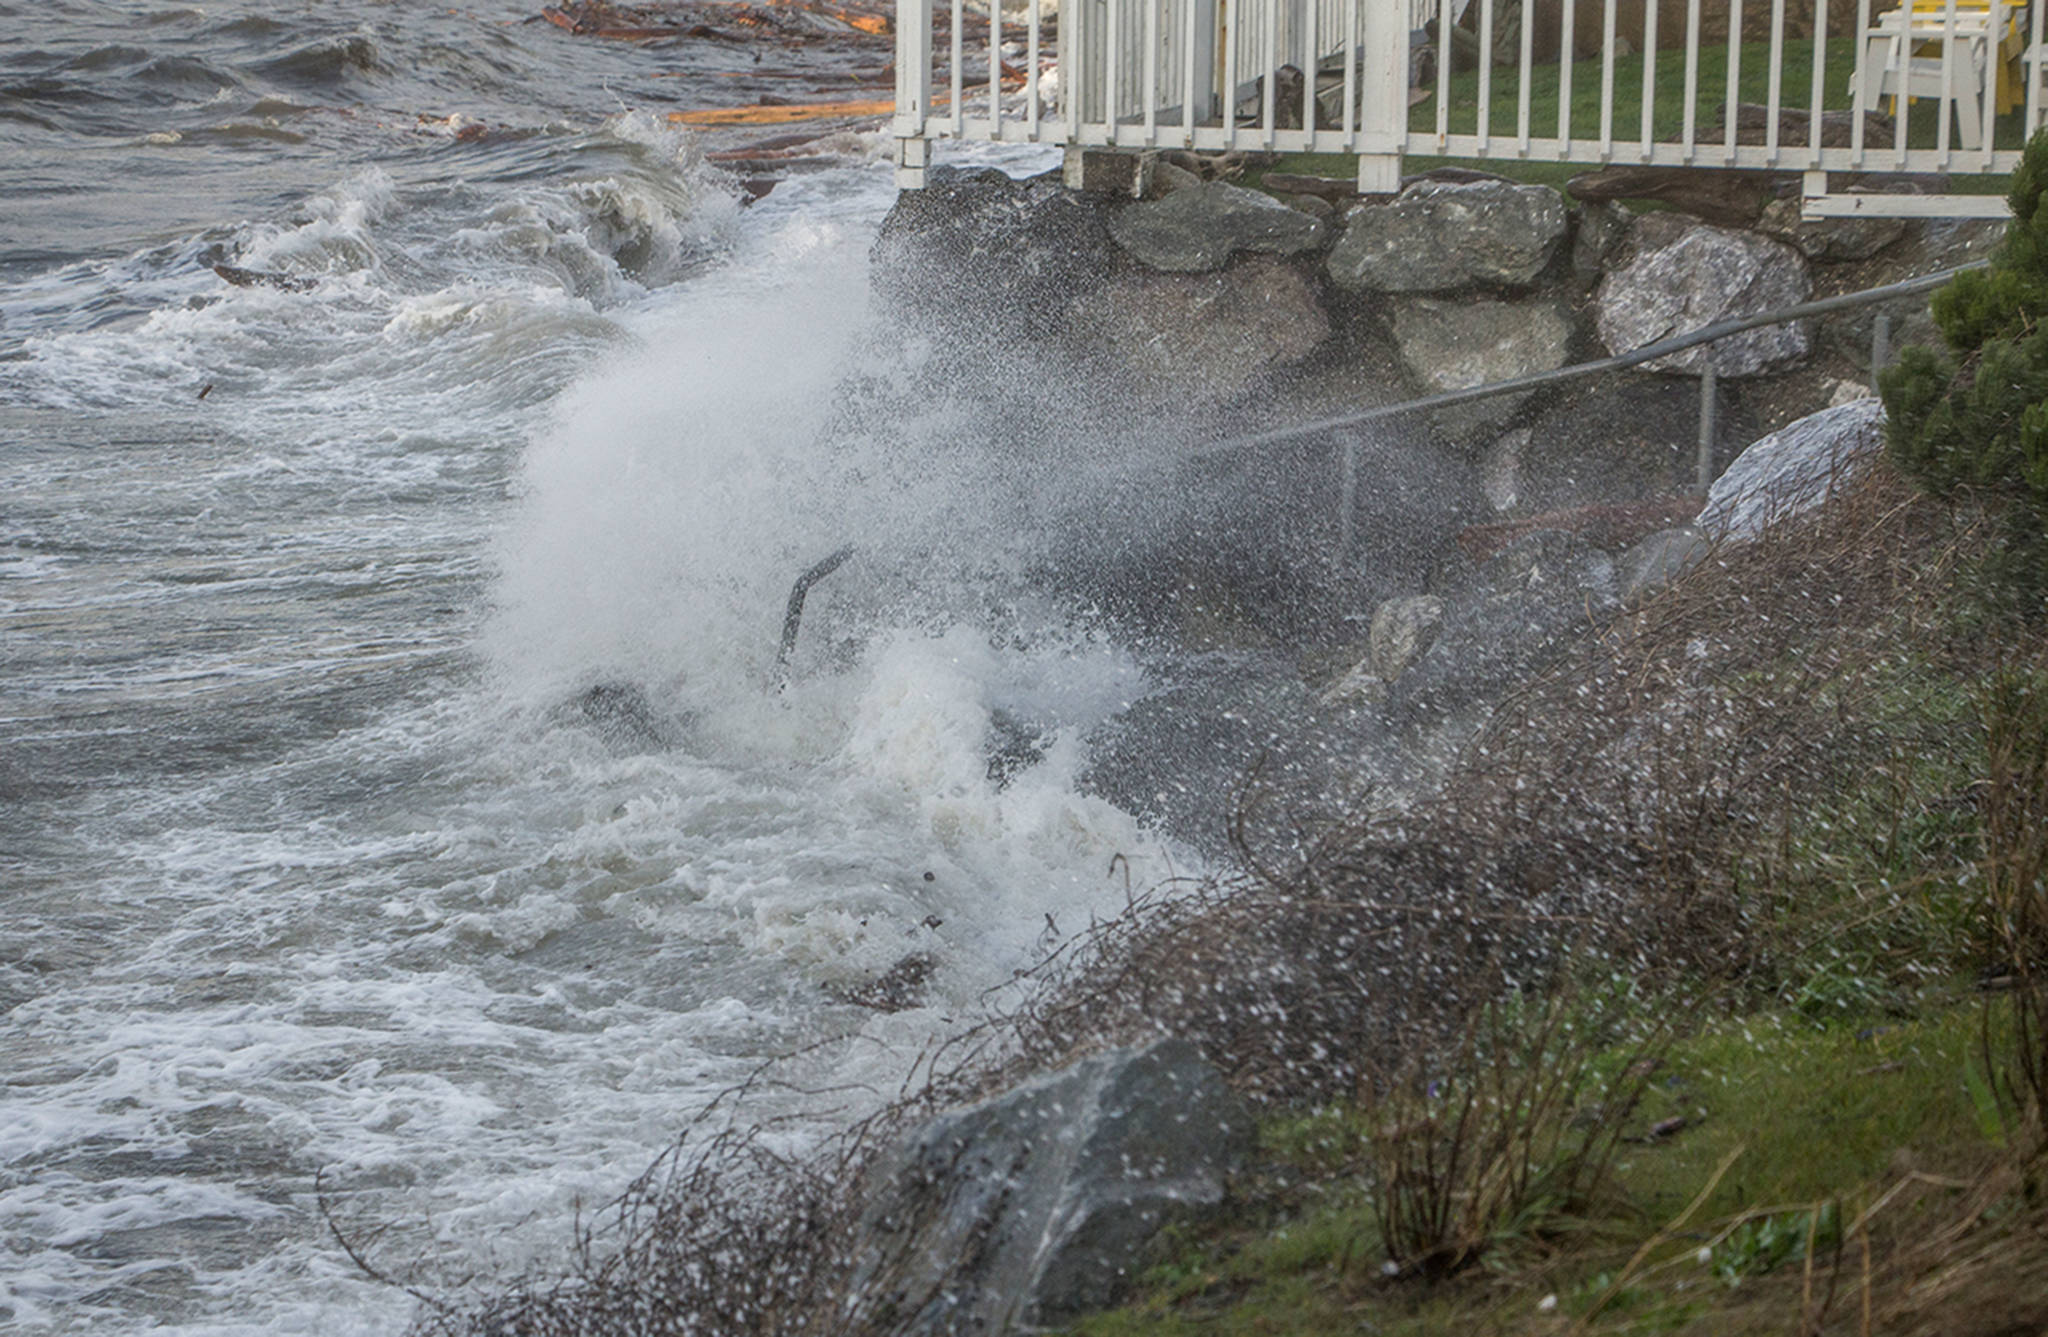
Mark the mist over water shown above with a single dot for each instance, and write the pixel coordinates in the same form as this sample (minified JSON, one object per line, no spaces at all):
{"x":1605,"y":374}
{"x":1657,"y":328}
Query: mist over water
{"x":318,"y":853}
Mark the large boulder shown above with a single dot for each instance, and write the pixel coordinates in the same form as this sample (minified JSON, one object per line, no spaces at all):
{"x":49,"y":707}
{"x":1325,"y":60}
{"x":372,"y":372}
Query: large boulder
{"x":1203,"y":336}
{"x":1441,"y":236}
{"x":1033,"y":1207}
{"x":1793,"y":469}
{"x":1506,"y":619}
{"x":1452,"y":345}
{"x":1199,"y":227}
{"x":974,"y":250}
{"x":1682,"y":275}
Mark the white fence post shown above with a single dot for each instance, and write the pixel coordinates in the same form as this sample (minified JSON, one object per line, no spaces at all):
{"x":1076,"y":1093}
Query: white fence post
{"x":913,"y":90}
{"x":1382,"y":94}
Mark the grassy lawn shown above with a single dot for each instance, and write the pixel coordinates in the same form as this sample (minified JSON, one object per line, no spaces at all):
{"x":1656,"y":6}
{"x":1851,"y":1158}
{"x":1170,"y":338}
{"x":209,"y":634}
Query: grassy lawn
{"x":1667,"y":109}
{"x":1792,"y":1132}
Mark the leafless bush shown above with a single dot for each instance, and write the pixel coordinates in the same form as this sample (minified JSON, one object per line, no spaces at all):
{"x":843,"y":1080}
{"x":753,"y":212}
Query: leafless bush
{"x":724,"y":1235}
{"x":1516,"y":1124}
{"x":2015,"y":813}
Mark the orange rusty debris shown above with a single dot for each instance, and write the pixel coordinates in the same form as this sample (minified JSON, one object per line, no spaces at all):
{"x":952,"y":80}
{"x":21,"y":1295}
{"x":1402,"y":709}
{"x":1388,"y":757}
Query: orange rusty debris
{"x":784,"y":115}
{"x":788,"y":113}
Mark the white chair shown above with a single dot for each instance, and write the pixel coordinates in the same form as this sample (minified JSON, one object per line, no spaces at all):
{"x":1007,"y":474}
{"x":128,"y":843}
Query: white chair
{"x":1895,"y":62}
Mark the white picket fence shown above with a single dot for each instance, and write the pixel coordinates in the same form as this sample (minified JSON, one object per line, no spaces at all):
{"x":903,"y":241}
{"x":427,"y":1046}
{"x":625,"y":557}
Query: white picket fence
{"x":1654,"y":82}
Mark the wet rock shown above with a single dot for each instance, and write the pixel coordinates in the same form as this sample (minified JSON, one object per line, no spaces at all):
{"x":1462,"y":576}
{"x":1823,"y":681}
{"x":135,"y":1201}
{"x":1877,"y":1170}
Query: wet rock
{"x":1794,"y":469}
{"x":1176,"y":758}
{"x":1608,"y":439}
{"x":1507,"y":618}
{"x":899,"y":987}
{"x":1833,"y":240}
{"x":1500,"y":468}
{"x":976,"y":248}
{"x":1442,"y":236}
{"x":1683,"y":275}
{"x":1034,"y":1207}
{"x":1660,"y":559}
{"x":1207,"y":336}
{"x":1599,"y":228}
{"x":1402,"y":631}
{"x":1199,"y":227}
{"x":1450,"y":345}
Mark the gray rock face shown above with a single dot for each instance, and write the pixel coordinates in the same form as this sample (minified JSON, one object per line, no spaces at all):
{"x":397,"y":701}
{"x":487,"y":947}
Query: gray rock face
{"x":1684,"y":275}
{"x":1441,"y":236}
{"x":1402,"y":630}
{"x":1794,"y":469}
{"x":1660,"y":559}
{"x":1199,"y":227}
{"x":971,"y":243}
{"x":1508,"y":618}
{"x":1832,"y":240}
{"x":1033,"y":1207}
{"x":1450,"y":345}
{"x":1204,"y":335}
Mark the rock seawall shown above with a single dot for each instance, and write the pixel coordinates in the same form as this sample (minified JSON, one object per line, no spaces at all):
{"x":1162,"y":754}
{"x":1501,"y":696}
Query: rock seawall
{"x":1161,"y":331}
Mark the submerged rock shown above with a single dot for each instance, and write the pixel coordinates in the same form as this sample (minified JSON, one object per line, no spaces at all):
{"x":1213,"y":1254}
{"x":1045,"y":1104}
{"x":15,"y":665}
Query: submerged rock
{"x":1035,"y":1206}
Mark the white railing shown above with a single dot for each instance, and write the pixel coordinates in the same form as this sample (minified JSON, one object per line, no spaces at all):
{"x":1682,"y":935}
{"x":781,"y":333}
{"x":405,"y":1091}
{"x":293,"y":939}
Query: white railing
{"x":1963,"y":78}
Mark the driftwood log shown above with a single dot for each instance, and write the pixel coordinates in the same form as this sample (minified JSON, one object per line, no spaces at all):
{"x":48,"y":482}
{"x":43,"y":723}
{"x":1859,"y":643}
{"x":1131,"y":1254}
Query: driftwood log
{"x":1732,"y":198}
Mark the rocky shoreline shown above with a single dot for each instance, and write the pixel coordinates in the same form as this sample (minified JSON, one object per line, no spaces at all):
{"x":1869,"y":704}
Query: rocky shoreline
{"x":1356,"y":650}
{"x":1492,"y":536}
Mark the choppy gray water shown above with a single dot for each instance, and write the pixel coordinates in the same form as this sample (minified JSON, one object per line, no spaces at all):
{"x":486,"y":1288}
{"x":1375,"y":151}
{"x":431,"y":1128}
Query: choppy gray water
{"x":309,"y":858}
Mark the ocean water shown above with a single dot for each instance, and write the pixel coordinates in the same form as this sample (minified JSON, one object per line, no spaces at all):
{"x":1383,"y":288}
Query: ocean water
{"x":397,"y":785}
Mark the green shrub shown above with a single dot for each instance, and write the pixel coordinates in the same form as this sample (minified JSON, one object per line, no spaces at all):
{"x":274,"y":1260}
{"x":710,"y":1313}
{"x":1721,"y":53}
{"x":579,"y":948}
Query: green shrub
{"x":1976,"y":413}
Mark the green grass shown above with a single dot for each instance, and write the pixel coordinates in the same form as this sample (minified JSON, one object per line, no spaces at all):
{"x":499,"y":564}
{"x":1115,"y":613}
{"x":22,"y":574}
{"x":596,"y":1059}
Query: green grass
{"x":1545,"y":84}
{"x":1795,"y":1118}
{"x":1863,"y":1065}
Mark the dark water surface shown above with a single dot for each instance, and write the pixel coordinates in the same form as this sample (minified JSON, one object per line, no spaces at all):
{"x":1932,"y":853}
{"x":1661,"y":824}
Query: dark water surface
{"x":310,"y":860}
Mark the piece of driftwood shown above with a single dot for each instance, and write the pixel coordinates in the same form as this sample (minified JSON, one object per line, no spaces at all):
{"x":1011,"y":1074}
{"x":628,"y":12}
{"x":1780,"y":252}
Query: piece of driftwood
{"x":1337,"y":189}
{"x":1837,"y":128}
{"x":1719,"y":195}
{"x":1730,"y":198}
